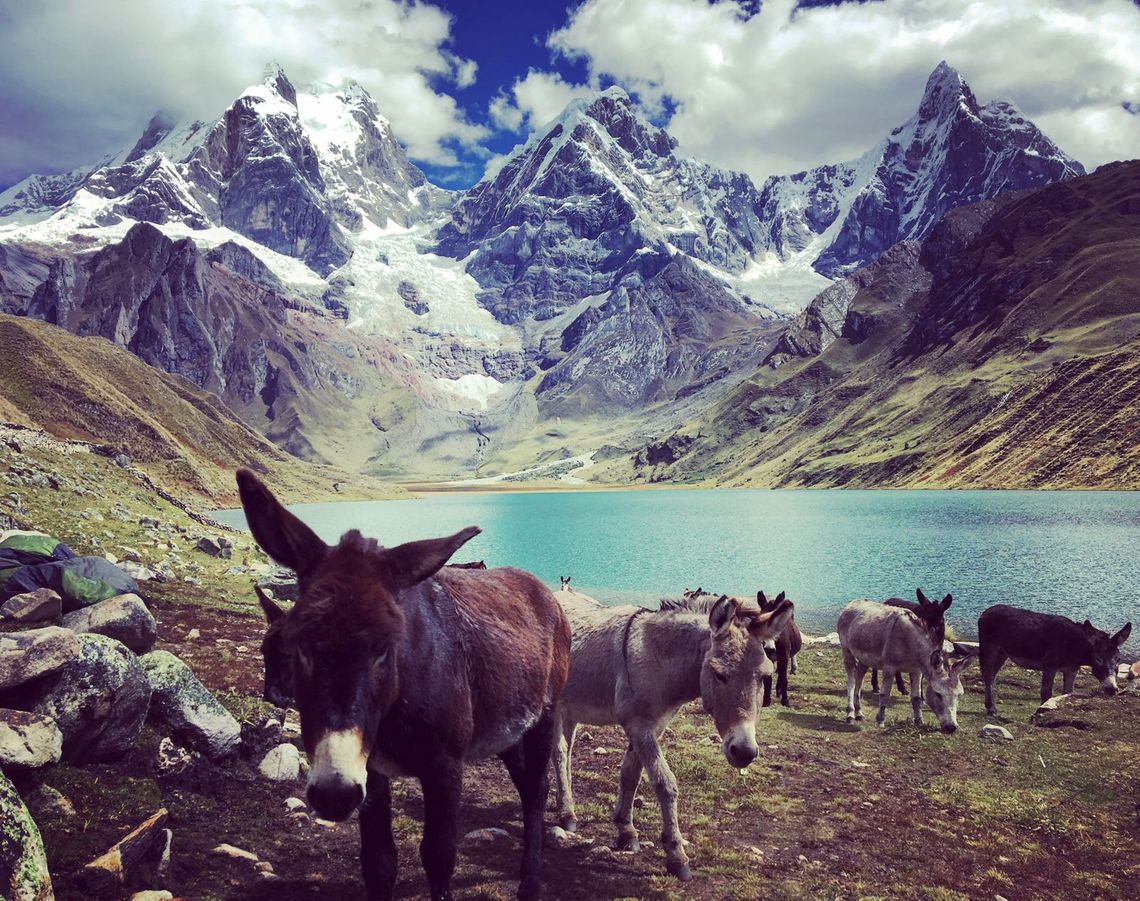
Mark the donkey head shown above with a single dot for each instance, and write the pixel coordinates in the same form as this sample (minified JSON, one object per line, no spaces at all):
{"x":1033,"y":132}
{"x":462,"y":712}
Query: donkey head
{"x":342,"y":639}
{"x":732,"y":669}
{"x":278,"y":664}
{"x":565,"y":582}
{"x":1105,"y":650}
{"x":944,"y":687}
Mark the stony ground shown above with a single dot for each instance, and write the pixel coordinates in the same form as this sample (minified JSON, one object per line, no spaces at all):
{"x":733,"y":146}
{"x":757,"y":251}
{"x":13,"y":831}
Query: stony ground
{"x":828,"y":810}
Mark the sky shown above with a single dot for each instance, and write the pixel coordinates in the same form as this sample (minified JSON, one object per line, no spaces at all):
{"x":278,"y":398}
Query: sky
{"x":761,"y":86}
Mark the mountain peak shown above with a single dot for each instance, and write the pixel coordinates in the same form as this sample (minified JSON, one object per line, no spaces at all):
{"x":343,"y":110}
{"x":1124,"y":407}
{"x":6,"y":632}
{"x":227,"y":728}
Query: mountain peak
{"x":274,"y":78}
{"x":946,"y":90}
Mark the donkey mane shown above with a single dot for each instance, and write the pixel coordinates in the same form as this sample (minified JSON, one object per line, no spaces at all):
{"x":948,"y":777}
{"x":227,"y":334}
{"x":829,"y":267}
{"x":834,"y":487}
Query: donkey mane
{"x":702,"y":604}
{"x":344,"y":603}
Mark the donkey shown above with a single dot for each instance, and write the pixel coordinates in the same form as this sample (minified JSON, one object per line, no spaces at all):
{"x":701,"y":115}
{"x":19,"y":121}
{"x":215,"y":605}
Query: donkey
{"x":787,"y":646}
{"x":565,"y":583}
{"x":930,"y":612}
{"x":402,"y":667}
{"x":896,"y":640}
{"x":635,"y":667}
{"x":1048,"y":642}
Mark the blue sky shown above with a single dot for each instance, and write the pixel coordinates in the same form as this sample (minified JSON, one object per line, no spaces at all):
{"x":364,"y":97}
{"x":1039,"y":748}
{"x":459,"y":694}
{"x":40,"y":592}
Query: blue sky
{"x":763,"y":89}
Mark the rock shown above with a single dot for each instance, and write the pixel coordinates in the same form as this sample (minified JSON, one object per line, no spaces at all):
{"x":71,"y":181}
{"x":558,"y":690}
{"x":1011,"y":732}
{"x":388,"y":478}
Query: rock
{"x":486,"y":836}
{"x":132,"y":863}
{"x":1052,"y":714}
{"x":282,"y":763}
{"x":235,"y":853}
{"x":99,"y":700}
{"x":994,"y":732}
{"x":44,"y":801}
{"x":32,"y":607}
{"x":152,"y":895}
{"x":604,"y":751}
{"x":172,"y":759}
{"x":295,"y":804}
{"x":184,"y":704}
{"x":25,"y":656}
{"x":557,"y":837}
{"x":1134,"y":670}
{"x":831,"y":639}
{"x":124,"y":618}
{"x":209,"y":546}
{"x":193,"y":635}
{"x":141,"y":573}
{"x":23,"y":865}
{"x":27,"y":740}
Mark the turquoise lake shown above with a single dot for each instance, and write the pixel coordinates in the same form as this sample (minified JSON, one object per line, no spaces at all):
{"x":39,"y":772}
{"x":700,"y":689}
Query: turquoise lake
{"x":1076,"y":553}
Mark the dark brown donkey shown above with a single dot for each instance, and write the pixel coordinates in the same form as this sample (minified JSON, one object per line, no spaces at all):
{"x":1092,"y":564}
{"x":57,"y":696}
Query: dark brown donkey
{"x":933,"y":616}
{"x":787,"y":644}
{"x":403,"y":668}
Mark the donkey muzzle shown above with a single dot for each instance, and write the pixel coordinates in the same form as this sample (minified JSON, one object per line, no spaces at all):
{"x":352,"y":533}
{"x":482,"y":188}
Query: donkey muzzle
{"x":739,"y":746}
{"x":339,"y":774}
{"x":334,"y":799}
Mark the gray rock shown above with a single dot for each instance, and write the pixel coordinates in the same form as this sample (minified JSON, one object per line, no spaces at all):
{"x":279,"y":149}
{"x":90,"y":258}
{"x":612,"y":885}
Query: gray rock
{"x":124,"y":618}
{"x":25,"y":656}
{"x":140,"y":572}
{"x":486,"y":836}
{"x":183,"y":703}
{"x":99,"y":700}
{"x":282,"y":764}
{"x":994,"y":732}
{"x":24,"y":872}
{"x":33,"y":606}
{"x":235,"y":853}
{"x":28,"y":740}
{"x":134,"y":862}
{"x":209,"y":546}
{"x":45,"y":801}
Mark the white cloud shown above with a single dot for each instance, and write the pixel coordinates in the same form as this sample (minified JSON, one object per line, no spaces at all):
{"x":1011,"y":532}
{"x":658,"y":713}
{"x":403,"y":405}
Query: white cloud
{"x":786,"y":88}
{"x":80,"y":79}
{"x":534,"y":100}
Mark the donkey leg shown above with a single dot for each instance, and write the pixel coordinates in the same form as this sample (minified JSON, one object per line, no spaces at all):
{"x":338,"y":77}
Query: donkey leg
{"x":992,"y":659}
{"x":442,"y":792}
{"x":1048,"y":677}
{"x":875,"y":681}
{"x":627,"y":790}
{"x":1070,"y":680}
{"x":563,"y":779}
{"x":793,"y":668}
{"x":855,"y":673}
{"x":916,"y":697}
{"x":767,"y":691}
{"x":528,"y":762}
{"x":377,"y":845}
{"x":782,"y":675}
{"x":899,"y":683}
{"x":665,"y":786}
{"x":885,"y":696}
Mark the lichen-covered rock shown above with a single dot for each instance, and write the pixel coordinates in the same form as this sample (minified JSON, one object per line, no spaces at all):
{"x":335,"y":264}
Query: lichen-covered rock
{"x":282,"y":763}
{"x":134,"y":862}
{"x":32,"y":606}
{"x":25,"y":656}
{"x":184,"y":704}
{"x":28,"y":740}
{"x":99,"y":700}
{"x":23,"y":865}
{"x":124,"y":618}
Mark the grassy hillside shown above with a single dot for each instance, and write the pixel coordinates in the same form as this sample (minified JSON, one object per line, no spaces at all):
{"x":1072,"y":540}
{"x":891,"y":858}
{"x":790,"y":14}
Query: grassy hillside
{"x":91,"y":390}
{"x":1001,"y":352}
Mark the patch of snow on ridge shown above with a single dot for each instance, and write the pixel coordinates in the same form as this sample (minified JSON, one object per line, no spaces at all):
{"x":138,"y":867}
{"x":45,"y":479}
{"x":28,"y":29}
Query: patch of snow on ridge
{"x":473,"y":391}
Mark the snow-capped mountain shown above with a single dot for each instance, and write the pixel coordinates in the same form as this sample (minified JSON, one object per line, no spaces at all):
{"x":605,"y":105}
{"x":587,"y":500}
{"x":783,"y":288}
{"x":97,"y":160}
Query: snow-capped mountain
{"x":951,"y":152}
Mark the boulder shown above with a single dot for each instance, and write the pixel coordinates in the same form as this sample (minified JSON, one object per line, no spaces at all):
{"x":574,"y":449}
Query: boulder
{"x":831,"y":639}
{"x":124,"y":618}
{"x":45,"y":801}
{"x":32,"y":606}
{"x":99,"y":700}
{"x":134,"y":862}
{"x":23,"y":865}
{"x":1134,"y":670}
{"x":994,"y":732}
{"x":184,"y":704}
{"x":28,"y":740}
{"x":25,"y":656}
{"x":282,"y":763}
{"x":140,"y":572}
{"x":1057,"y":713}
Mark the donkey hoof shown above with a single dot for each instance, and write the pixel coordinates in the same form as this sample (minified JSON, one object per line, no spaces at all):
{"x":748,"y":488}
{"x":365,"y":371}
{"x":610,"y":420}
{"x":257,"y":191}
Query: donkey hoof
{"x":680,"y":869}
{"x":991,"y":711}
{"x":628,"y":842}
{"x":859,"y":717}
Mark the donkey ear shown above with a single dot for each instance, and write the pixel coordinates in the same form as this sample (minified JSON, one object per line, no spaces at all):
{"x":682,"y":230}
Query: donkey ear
{"x":761,"y":599}
{"x":772,"y":623}
{"x":1122,"y":636}
{"x":273,"y":611}
{"x":279,"y":533}
{"x":722,"y":614}
{"x":958,"y":666}
{"x":411,"y":563}
{"x":946,"y":602}
{"x":922,"y":599}
{"x":780,"y":597}
{"x":1090,"y":629}
{"x":936,"y":659}
{"x":964,"y":650}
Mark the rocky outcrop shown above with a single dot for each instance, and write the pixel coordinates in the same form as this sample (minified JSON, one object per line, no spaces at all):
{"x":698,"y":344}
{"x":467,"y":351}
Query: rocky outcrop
{"x":124,"y":618}
{"x":184,"y":705}
{"x":24,"y":872}
{"x":99,"y":700}
{"x":141,"y":859}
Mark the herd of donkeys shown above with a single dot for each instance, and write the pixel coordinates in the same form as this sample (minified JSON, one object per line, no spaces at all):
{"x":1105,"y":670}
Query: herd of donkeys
{"x":403,"y":665}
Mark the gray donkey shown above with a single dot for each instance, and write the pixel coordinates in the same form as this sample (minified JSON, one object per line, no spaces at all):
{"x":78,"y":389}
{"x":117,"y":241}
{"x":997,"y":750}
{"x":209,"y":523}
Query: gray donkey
{"x":635,"y":667}
{"x":895,"y":640}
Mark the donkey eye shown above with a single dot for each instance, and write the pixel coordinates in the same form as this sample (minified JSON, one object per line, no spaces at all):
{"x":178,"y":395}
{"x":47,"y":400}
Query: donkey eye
{"x":381,"y":657}
{"x":720,"y":677}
